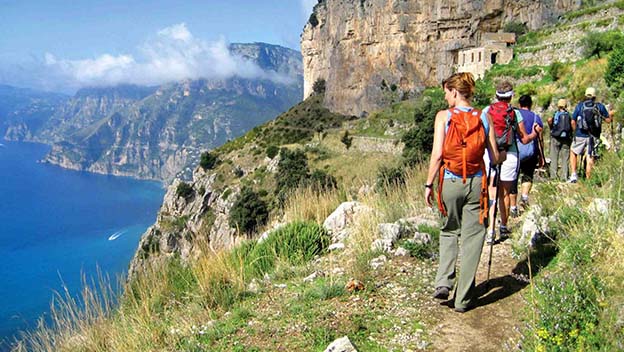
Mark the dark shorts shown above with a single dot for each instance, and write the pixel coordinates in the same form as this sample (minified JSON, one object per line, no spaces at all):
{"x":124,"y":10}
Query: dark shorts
{"x":526,"y":173}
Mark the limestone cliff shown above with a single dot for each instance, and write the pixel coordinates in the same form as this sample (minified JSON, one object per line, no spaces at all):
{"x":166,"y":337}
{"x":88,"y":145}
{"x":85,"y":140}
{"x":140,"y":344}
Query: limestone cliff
{"x":371,"y":52}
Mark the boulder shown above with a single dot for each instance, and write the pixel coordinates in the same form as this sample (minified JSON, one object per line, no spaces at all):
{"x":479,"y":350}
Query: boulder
{"x":343,"y":344}
{"x":345,"y":216}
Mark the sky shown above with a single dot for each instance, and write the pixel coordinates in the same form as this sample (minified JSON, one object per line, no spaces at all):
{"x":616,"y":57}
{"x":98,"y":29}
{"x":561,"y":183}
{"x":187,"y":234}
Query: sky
{"x":66,"y":45}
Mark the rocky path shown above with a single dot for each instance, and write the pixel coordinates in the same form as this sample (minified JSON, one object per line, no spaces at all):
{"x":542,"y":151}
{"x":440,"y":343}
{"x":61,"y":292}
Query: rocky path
{"x":493,"y":324}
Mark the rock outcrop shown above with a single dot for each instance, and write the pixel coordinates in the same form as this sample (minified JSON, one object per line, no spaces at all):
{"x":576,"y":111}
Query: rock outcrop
{"x":372,"y":52}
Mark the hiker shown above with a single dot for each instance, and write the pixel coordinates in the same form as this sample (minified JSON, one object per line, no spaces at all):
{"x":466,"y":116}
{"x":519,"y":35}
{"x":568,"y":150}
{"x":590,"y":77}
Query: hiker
{"x":530,"y":155}
{"x":461,"y":136}
{"x":507,"y":125}
{"x":560,"y":140}
{"x":587,"y":124}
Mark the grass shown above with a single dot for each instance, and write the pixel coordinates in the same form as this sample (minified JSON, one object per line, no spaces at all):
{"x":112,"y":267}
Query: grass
{"x":577,"y":304}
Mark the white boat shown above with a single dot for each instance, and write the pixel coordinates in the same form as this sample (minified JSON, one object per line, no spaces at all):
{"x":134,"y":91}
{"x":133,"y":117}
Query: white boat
{"x":115,"y":235}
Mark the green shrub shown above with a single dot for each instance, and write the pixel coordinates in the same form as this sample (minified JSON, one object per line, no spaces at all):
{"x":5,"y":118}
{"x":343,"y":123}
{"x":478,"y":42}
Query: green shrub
{"x":293,"y":244}
{"x":319,"y":86}
{"x":614,"y":74}
{"x":484,"y":93}
{"x":346,"y":139}
{"x":517,"y":27}
{"x":419,"y":139}
{"x":390,"y":177}
{"x":249,"y":211}
{"x":184,"y":190}
{"x":321,"y":181}
{"x":597,"y":43}
{"x":292,"y":169}
{"x":208,"y":160}
{"x":526,"y":89}
{"x":272,"y":151}
{"x":556,"y":70}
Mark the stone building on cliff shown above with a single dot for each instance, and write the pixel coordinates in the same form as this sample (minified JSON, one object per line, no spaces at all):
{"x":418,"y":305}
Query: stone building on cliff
{"x":496,"y":48}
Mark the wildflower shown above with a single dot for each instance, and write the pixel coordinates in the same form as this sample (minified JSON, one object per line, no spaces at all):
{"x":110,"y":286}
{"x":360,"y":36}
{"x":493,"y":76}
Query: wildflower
{"x":540,"y":348}
{"x":574,"y":333}
{"x":542,"y":333}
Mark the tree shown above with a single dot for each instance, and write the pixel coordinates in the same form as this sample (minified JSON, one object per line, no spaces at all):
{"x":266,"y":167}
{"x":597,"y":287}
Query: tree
{"x":346,"y":139}
{"x":249,"y":211}
{"x":184,"y":190}
{"x":319,"y":86}
{"x":614,"y":75}
{"x":292,"y":169}
{"x":208,"y":160}
{"x":516,"y":27}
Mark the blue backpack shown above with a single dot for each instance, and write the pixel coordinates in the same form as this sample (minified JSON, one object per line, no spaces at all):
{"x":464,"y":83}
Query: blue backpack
{"x":527,"y":151}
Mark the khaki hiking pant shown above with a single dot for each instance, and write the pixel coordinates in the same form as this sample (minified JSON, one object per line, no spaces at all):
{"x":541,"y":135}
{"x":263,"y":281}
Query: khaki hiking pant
{"x":560,"y":156}
{"x":461,"y":233}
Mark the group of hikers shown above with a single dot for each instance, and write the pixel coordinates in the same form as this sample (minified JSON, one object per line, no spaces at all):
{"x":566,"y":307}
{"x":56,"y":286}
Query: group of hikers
{"x":483,"y":158}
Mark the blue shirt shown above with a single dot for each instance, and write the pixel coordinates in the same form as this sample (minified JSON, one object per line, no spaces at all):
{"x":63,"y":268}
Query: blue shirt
{"x":486,"y":126}
{"x":577,"y":112}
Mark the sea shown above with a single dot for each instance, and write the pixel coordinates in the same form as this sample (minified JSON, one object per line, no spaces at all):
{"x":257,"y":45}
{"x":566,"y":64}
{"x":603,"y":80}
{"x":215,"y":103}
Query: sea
{"x":58,"y":226}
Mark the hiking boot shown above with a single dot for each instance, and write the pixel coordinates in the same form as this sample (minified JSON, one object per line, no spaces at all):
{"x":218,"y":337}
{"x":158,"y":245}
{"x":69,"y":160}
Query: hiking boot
{"x":441,"y":292}
{"x":513,"y":212}
{"x":490,"y":237}
{"x":504,"y":233}
{"x":573,"y":179}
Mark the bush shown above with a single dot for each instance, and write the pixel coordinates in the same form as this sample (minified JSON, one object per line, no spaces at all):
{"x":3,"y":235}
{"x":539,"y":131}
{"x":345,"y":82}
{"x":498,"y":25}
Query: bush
{"x":346,"y":140}
{"x":208,"y":160}
{"x":419,"y":139}
{"x":321,"y":181}
{"x":614,"y":74}
{"x":484,"y":93}
{"x":272,"y":151}
{"x":556,"y":70}
{"x":293,"y":244}
{"x":249,"y":211}
{"x":319,"y":86}
{"x":596,"y":43}
{"x":389,"y":177}
{"x":292,"y":169}
{"x":516,"y":27}
{"x":184,"y":190}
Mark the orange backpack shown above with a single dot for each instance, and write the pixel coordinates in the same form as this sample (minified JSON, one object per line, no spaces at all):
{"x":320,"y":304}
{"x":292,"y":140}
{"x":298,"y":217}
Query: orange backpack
{"x":462,"y":153}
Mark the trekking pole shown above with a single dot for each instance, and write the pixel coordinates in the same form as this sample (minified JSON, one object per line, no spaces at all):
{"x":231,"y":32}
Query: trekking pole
{"x":496,"y":184}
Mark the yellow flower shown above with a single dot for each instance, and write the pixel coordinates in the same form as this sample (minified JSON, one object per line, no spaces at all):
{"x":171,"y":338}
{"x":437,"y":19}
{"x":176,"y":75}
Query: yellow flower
{"x":558,"y":340}
{"x":540,"y":348}
{"x":574,"y":333}
{"x":542,"y":333}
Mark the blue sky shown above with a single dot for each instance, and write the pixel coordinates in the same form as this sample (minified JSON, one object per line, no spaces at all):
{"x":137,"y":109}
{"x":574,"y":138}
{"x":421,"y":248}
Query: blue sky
{"x":64,"y":45}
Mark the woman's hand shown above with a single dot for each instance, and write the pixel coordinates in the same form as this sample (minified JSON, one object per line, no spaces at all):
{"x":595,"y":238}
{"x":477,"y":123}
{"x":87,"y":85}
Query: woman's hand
{"x":429,"y":196}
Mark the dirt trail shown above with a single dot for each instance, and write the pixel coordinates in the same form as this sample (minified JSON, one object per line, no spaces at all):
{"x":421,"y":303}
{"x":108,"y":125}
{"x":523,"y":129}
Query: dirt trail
{"x":492,"y":324}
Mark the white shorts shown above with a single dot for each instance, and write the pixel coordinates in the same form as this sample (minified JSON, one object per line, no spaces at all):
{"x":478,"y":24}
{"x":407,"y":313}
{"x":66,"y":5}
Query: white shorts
{"x":509,"y":168}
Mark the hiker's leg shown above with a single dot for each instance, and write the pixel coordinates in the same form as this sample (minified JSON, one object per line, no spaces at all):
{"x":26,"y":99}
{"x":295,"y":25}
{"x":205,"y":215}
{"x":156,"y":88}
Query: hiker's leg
{"x":589,"y":166}
{"x":453,"y":198}
{"x":573,"y":158}
{"x":472,"y":238}
{"x":503,"y":201}
{"x":555,"y":148}
{"x":528,"y":172}
{"x":578,"y":147}
{"x":513,"y":194}
{"x":565,"y":157}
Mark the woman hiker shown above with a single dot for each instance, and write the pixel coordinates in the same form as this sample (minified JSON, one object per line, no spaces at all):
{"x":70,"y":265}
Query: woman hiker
{"x":461,"y":135}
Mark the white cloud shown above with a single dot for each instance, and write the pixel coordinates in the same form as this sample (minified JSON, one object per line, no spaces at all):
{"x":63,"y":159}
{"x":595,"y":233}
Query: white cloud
{"x":173,"y":54}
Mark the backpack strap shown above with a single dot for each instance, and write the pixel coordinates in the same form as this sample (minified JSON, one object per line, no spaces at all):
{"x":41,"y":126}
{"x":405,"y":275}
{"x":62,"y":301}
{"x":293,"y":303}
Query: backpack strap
{"x":440,"y":185}
{"x":484,"y":198}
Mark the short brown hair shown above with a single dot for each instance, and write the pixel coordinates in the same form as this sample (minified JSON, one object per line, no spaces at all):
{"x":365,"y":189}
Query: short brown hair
{"x":463,"y":82}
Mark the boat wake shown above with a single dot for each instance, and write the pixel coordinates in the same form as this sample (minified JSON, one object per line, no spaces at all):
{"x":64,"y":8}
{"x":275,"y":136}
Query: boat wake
{"x":116,"y":235}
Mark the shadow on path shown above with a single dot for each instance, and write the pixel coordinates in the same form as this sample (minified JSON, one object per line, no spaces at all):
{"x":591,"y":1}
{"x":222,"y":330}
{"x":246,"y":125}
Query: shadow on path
{"x":501,"y":287}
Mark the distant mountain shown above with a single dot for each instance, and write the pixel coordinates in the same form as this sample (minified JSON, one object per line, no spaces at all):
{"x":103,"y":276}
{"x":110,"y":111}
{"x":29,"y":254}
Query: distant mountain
{"x":159,"y":133}
{"x":24,"y":111}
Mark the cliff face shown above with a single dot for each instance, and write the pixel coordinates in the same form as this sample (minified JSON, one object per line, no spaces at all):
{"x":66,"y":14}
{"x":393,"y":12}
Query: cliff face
{"x":370,"y":52}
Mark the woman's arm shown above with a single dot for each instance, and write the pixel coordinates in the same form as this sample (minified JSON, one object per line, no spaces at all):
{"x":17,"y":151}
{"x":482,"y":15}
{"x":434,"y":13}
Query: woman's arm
{"x":490,"y":143}
{"x":436,"y":154}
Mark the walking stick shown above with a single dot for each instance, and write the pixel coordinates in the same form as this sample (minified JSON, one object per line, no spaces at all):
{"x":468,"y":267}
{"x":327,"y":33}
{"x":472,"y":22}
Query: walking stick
{"x":496,"y":183}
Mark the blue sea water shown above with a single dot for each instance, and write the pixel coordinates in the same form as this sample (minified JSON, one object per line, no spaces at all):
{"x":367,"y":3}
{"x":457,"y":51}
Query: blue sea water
{"x":55,"y":226}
